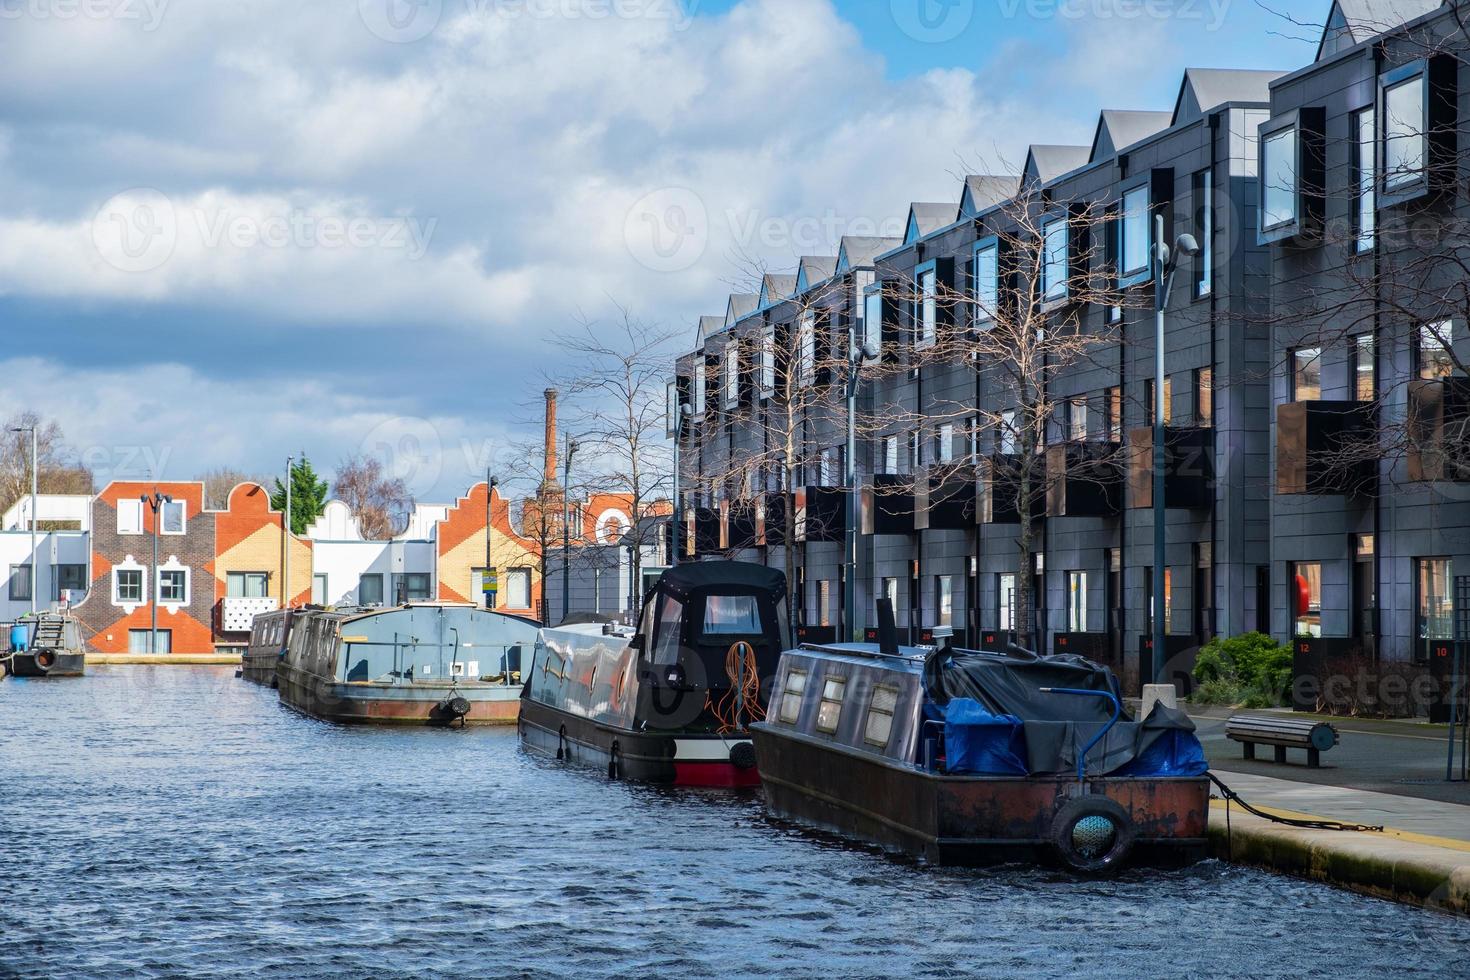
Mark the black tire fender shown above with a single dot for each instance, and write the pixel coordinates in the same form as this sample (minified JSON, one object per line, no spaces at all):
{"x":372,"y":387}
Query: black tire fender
{"x":1077,"y":857}
{"x":615,"y":762}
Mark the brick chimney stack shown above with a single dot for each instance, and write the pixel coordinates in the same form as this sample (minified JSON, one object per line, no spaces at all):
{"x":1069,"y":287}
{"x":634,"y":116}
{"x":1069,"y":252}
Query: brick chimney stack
{"x":550,"y":479}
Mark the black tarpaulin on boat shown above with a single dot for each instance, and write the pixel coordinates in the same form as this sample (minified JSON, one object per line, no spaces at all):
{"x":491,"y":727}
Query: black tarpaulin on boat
{"x":1056,"y":726}
{"x":684,"y":580}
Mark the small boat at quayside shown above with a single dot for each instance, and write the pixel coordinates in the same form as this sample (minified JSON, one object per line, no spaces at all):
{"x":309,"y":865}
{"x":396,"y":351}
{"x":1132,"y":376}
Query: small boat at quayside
{"x":270,"y":633}
{"x":430,"y":663}
{"x":973,"y":758}
{"x":48,"y":645}
{"x":669,"y":702}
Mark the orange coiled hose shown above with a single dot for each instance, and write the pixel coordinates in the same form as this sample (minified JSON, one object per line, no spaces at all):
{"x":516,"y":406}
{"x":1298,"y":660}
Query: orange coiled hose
{"x":741,"y":704}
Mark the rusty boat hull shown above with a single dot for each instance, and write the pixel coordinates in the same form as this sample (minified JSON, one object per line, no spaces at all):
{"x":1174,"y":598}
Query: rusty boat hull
{"x":965,"y":820}
{"x":372,"y":703}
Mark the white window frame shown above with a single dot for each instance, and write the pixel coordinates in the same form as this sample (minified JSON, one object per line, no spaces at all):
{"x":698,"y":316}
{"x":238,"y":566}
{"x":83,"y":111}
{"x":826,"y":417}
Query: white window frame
{"x":183,"y":518}
{"x":134,"y":511}
{"x":117,"y":597}
{"x":184,"y":587}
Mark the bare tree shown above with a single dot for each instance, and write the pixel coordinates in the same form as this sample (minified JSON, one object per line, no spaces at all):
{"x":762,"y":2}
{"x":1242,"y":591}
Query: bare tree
{"x":58,"y":470}
{"x":220,"y":481}
{"x":381,"y":504}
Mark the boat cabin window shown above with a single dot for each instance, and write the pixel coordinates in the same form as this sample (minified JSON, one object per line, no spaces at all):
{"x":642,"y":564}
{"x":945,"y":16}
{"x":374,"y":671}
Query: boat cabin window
{"x":831,"y":710}
{"x":791,"y":696}
{"x":666,"y":637}
{"x":879,"y":726}
{"x":732,"y":615}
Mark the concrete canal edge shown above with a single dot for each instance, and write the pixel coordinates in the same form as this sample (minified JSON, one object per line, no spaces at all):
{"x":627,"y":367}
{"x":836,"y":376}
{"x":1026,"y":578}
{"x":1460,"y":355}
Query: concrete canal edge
{"x":1431,"y":872}
{"x":166,"y":659}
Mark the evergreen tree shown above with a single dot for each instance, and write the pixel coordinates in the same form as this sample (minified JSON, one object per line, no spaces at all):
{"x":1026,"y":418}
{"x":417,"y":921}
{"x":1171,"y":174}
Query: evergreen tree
{"x":308,"y":495}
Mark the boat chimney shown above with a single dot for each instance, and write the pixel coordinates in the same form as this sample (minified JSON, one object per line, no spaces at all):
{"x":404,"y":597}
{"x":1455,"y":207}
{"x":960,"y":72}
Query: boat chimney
{"x":887,"y":629}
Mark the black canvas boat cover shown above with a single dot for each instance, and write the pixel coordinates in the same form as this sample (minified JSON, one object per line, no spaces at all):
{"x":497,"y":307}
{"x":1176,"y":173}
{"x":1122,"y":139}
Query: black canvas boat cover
{"x":1056,"y":726}
{"x":683,"y":580}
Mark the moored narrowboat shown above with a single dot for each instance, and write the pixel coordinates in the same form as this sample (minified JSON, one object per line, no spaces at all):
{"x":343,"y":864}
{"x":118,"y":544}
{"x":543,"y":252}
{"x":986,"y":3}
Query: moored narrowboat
{"x":670,"y":701}
{"x":46,"y":645}
{"x":430,"y":663}
{"x":973,"y":758}
{"x":269,"y":635}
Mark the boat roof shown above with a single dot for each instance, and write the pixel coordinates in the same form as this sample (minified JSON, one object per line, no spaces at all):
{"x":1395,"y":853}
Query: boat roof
{"x":682,"y":580}
{"x":908,"y":659}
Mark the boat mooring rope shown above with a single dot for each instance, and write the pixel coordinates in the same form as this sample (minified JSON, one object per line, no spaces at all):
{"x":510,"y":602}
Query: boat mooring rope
{"x":1230,"y":796}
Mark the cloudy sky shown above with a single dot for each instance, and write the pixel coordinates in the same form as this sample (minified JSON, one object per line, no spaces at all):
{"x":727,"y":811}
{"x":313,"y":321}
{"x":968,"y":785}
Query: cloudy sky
{"x":235,"y":229}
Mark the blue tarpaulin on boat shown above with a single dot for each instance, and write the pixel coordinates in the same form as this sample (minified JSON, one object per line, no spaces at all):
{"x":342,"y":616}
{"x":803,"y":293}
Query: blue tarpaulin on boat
{"x":976,"y":741}
{"x":1174,"y":753}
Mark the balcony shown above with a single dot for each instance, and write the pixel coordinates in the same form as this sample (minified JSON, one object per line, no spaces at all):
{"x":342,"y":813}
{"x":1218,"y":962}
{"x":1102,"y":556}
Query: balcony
{"x":1189,"y":468}
{"x":888,"y":505}
{"x":1439,"y":431}
{"x":236,"y":613}
{"x":1321,"y":448}
{"x":821,"y":514}
{"x":1084,"y":479}
{"x":946,"y":500}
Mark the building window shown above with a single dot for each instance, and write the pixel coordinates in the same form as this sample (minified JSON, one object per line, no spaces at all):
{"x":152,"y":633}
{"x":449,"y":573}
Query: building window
{"x":699,"y":381}
{"x":1054,"y":265}
{"x":1115,"y":414}
{"x":806,"y":349}
{"x":171,"y":517}
{"x":1434,"y":351}
{"x":987,"y":281}
{"x":823,"y":594}
{"x":414,"y":587}
{"x":732,"y":374}
{"x":1306,"y":598}
{"x":1365,"y":373}
{"x":916,"y":450}
{"x":861,"y":281}
{"x":1006,"y":437}
{"x":173,"y":585}
{"x":248,"y":585}
{"x":141,"y":641}
{"x":127,"y":585}
{"x":972,"y":440}
{"x":518,"y":588}
{"x":68,"y":578}
{"x":872,"y":332}
{"x":1204,"y":230}
{"x":1404,"y":133}
{"x":944,"y":443}
{"x":1006,"y":597}
{"x":130,"y":517}
{"x":879,"y":725}
{"x":888,"y":589}
{"x":1435,"y":605}
{"x":791,"y":696}
{"x":20,"y":583}
{"x":926,"y":307}
{"x":1152,"y":402}
{"x":1077,"y":420}
{"x":944,"y":600}
{"x":370,"y":589}
{"x":768,"y":362}
{"x":829,"y":713}
{"x":671,"y":409}
{"x":1134,"y":237}
{"x":1365,"y":204}
{"x":1279,"y":179}
{"x":1076,"y":602}
{"x":1306,"y":374}
{"x":319,"y":594}
{"x":1204,"y":397}
{"x":890,"y":455}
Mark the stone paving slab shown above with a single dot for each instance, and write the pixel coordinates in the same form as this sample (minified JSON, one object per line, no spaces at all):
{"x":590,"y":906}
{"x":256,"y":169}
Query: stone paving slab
{"x":1430,"y":818}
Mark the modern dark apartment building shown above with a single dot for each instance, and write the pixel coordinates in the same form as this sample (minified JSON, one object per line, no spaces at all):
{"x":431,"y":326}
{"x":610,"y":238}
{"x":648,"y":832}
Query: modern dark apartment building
{"x":1287,"y":182}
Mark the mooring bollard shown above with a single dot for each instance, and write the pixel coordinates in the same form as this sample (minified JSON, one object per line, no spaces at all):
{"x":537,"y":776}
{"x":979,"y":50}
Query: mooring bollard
{"x":1155,"y":694}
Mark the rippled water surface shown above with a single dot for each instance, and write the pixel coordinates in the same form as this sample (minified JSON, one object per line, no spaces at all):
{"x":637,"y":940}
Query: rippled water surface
{"x":169,"y":821}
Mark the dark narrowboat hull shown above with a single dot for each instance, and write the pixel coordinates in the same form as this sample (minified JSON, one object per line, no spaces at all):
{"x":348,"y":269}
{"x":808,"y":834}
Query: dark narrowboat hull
{"x":68,"y":663}
{"x":259,"y":670}
{"x":647,"y":757}
{"x":383,"y":704}
{"x":965,"y":820}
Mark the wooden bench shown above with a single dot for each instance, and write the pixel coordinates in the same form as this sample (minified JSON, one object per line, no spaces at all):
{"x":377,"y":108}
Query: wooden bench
{"x":1282,"y":733}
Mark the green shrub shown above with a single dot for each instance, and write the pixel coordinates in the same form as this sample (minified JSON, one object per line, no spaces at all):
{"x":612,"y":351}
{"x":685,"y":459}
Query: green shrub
{"x":1252,"y":670}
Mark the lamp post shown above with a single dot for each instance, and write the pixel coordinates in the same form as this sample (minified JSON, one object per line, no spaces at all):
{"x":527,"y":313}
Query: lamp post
{"x":286,"y":540}
{"x":856,"y":358}
{"x":680,"y":414}
{"x":35,"y":466}
{"x":566,"y":530}
{"x":491,"y":483}
{"x":1165,"y":264}
{"x":156,"y":502}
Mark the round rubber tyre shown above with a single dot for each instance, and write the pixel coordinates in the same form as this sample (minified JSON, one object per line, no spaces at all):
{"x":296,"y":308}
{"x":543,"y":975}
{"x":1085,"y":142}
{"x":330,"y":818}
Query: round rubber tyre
{"x":1092,"y":835}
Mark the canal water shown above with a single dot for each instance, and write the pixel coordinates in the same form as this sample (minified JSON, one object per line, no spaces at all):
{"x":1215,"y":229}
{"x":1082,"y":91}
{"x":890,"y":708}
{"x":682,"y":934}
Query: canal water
{"x":164,"y":822}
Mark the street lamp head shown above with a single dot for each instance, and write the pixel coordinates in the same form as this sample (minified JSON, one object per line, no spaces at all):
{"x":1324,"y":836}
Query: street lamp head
{"x":870,"y":352}
{"x":1187,"y":245}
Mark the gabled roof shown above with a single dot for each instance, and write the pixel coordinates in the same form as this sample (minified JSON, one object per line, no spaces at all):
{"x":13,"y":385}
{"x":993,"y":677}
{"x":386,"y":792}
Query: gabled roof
{"x":1045,"y":164}
{"x":709,"y":326}
{"x":741,"y":305}
{"x":1351,"y":22}
{"x":1206,"y":89}
{"x":774,"y":289}
{"x":862,"y":251}
{"x":984,"y":191}
{"x":927,"y":218}
{"x":814,"y":269}
{"x":1118,"y":129}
